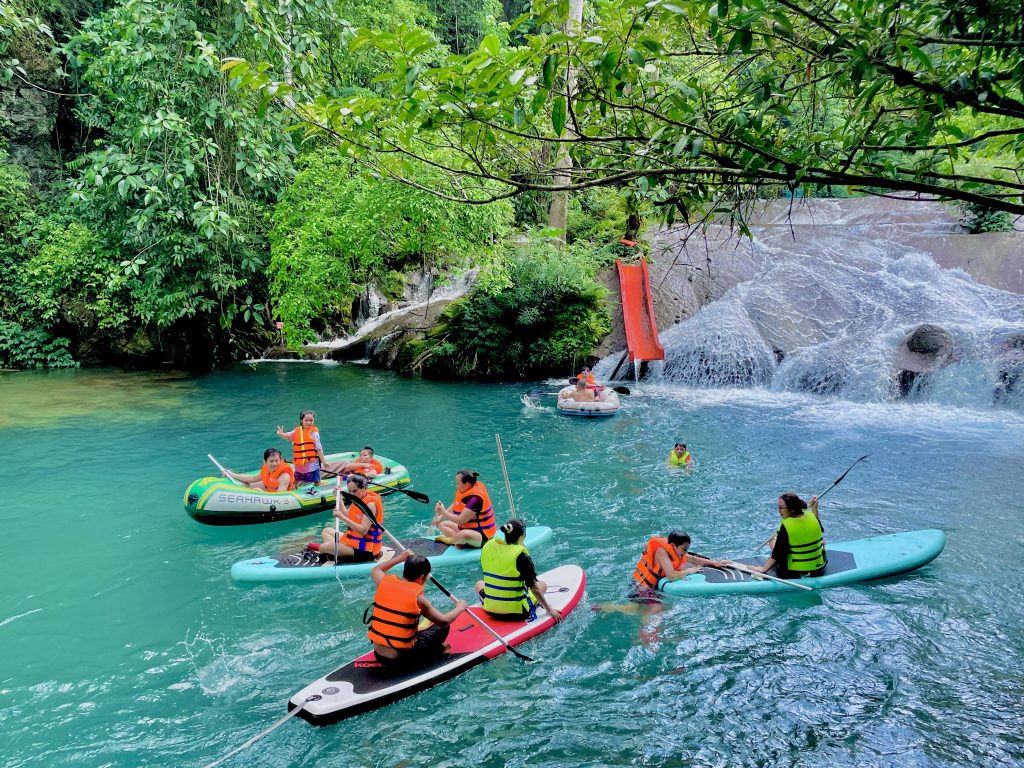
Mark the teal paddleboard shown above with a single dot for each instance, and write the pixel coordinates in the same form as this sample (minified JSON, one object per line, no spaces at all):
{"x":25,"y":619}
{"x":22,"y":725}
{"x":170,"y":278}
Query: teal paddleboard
{"x":292,"y":567}
{"x":848,"y":563}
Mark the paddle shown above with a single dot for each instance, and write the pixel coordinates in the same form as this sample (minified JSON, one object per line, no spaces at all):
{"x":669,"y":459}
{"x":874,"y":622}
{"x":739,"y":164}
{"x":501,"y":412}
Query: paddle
{"x":401,"y":548}
{"x":820,"y":495}
{"x":758,"y":575}
{"x":421,"y":497}
{"x":504,"y":472}
{"x":224,"y":471}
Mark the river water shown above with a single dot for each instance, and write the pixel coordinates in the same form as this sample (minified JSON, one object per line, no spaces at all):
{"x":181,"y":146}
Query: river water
{"x":124,"y":642}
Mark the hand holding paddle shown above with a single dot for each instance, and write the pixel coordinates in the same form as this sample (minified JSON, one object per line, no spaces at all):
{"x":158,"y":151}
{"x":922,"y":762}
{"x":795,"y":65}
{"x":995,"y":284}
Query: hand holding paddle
{"x":402,"y":548}
{"x":224,"y":472}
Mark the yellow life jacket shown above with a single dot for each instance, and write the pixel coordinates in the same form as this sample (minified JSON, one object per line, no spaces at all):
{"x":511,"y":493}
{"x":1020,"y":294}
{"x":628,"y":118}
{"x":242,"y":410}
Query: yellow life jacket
{"x":504,"y":589}
{"x":678,"y":461}
{"x":806,"y":543}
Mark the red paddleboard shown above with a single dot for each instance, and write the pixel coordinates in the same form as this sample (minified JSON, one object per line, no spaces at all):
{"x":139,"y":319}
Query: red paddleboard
{"x":364,"y":684}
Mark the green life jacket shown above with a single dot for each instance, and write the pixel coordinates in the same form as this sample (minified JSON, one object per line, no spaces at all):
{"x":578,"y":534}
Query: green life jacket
{"x":504,"y":589}
{"x":677,"y":461}
{"x":806,"y":545}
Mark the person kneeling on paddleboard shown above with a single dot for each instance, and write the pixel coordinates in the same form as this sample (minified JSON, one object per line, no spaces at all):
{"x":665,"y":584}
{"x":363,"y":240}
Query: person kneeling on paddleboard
{"x":798,"y":548}
{"x":510,"y":588}
{"x":666,"y":558}
{"x":394,"y":616}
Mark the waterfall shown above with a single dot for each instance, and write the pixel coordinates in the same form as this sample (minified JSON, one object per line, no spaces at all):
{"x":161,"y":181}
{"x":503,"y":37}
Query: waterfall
{"x":841,"y":314}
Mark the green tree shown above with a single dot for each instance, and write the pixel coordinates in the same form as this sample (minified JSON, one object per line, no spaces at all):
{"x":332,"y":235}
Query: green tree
{"x":699,"y":106}
{"x":336,"y":229}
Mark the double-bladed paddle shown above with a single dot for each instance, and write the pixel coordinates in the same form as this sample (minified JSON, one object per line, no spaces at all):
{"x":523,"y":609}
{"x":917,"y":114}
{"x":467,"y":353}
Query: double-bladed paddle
{"x":421,"y":497}
{"x":401,"y":548}
{"x":538,"y":393}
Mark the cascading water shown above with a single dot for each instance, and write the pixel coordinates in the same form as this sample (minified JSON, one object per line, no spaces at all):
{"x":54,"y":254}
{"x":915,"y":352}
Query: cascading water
{"x":833,"y":314}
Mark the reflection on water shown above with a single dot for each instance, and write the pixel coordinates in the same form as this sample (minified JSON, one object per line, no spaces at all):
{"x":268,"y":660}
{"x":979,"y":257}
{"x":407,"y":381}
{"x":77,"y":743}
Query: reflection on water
{"x":47,"y":398}
{"x":125,"y":643}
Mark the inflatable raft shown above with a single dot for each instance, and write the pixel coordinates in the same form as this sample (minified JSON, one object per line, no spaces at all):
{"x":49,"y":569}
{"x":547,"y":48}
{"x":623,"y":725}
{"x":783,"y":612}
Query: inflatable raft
{"x":848,"y":563}
{"x":220,"y":501}
{"x":363,"y":684}
{"x":607,"y":404}
{"x":292,"y":567}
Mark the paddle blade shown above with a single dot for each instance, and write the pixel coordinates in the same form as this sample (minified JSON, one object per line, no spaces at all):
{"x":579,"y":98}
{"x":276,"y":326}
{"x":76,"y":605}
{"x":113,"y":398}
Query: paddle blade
{"x":621,"y":390}
{"x":421,"y":497}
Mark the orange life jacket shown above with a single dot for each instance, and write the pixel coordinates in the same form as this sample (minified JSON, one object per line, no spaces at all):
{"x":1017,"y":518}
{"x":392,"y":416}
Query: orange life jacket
{"x":270,"y":481}
{"x":371,"y":464}
{"x":484,"y":520}
{"x":590,"y":378}
{"x":303,"y":445}
{"x":648,"y":571}
{"x":396,"y":616}
{"x":371,"y":540}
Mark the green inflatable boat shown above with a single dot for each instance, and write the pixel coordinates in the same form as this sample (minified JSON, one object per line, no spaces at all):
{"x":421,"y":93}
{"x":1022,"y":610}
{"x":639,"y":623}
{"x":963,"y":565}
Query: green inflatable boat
{"x":848,"y":563}
{"x":294,"y":567}
{"x":220,"y":501}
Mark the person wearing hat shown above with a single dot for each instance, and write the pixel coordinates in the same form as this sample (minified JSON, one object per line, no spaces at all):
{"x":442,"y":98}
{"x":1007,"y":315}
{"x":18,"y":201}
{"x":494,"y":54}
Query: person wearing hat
{"x":510,"y":588}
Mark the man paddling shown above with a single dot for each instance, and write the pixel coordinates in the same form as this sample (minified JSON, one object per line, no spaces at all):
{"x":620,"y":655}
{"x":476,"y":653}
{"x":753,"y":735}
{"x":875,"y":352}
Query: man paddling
{"x":276,"y":474}
{"x":582,"y":393}
{"x":397,"y":607}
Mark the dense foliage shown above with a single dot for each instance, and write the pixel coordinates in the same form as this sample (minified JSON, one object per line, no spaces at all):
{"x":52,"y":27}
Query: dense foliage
{"x":335,"y":230}
{"x":535,"y":312}
{"x":698,"y":106}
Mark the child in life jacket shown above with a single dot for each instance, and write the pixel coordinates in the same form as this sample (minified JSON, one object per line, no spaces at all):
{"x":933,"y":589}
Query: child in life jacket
{"x":307,"y":452}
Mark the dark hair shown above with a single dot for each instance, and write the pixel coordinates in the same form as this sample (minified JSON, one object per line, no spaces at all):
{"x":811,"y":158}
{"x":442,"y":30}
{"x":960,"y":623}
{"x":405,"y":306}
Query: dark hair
{"x":678,"y":538}
{"x":302,"y":415}
{"x":270,"y":452}
{"x":584,"y":368}
{"x":368,"y":448}
{"x":793,"y":503}
{"x":468,"y":476}
{"x":415,"y":566}
{"x":513,"y":530}
{"x":680,"y":445}
{"x":573,"y":380}
{"x":358,"y":479}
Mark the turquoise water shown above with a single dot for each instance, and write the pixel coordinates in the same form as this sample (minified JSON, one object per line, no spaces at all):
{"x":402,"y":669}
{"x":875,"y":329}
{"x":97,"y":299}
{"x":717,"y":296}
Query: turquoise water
{"x":124,"y":642}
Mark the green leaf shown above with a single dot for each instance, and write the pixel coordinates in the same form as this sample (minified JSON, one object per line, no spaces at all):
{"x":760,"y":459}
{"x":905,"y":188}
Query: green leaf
{"x":558,"y":115}
{"x":548,"y":75}
{"x":697,"y":146}
{"x":491,"y":46}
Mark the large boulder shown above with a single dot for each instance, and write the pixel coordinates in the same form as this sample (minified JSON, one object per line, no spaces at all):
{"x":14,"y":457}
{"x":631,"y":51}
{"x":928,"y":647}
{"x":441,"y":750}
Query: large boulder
{"x":923,"y":351}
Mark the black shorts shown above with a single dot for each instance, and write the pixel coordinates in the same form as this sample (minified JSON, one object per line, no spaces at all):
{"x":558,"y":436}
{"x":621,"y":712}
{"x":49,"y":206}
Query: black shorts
{"x":357,"y":557}
{"x":429,"y":646}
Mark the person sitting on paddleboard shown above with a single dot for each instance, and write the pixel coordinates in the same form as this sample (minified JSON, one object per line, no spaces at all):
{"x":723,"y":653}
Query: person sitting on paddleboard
{"x":469,"y":521}
{"x":362,"y":540}
{"x":307,"y":452}
{"x":679,"y":456}
{"x":510,"y":588}
{"x":275,"y":475}
{"x":582,"y":394}
{"x":798,"y":548}
{"x":364,"y":464}
{"x":666,"y":558}
{"x":394,"y":616}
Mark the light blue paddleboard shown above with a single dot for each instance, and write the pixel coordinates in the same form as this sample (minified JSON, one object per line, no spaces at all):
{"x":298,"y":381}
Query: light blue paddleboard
{"x":289,"y":567}
{"x":848,"y":562}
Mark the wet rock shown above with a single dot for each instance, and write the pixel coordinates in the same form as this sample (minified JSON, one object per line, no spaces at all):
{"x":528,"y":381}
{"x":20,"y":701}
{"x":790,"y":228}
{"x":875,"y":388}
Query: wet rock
{"x":926,"y":349}
{"x":1010,"y":368}
{"x":930,"y":339}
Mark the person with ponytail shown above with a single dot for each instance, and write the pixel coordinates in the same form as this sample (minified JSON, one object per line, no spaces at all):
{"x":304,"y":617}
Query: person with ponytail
{"x":469,"y":521}
{"x":510,"y":588}
{"x":798,"y":548}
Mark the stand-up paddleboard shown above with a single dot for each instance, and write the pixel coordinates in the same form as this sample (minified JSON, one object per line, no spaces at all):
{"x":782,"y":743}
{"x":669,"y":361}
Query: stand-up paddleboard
{"x":293,"y":567}
{"x":848,"y":562}
{"x":219,"y":501}
{"x":364,"y":684}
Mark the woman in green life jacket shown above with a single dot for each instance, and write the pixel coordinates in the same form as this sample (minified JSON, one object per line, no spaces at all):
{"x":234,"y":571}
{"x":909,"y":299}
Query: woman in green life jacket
{"x":510,"y":588}
{"x":798,"y":547}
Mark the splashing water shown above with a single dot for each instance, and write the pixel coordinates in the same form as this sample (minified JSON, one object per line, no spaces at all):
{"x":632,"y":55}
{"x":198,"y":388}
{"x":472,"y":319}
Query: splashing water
{"x":832,"y":316}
